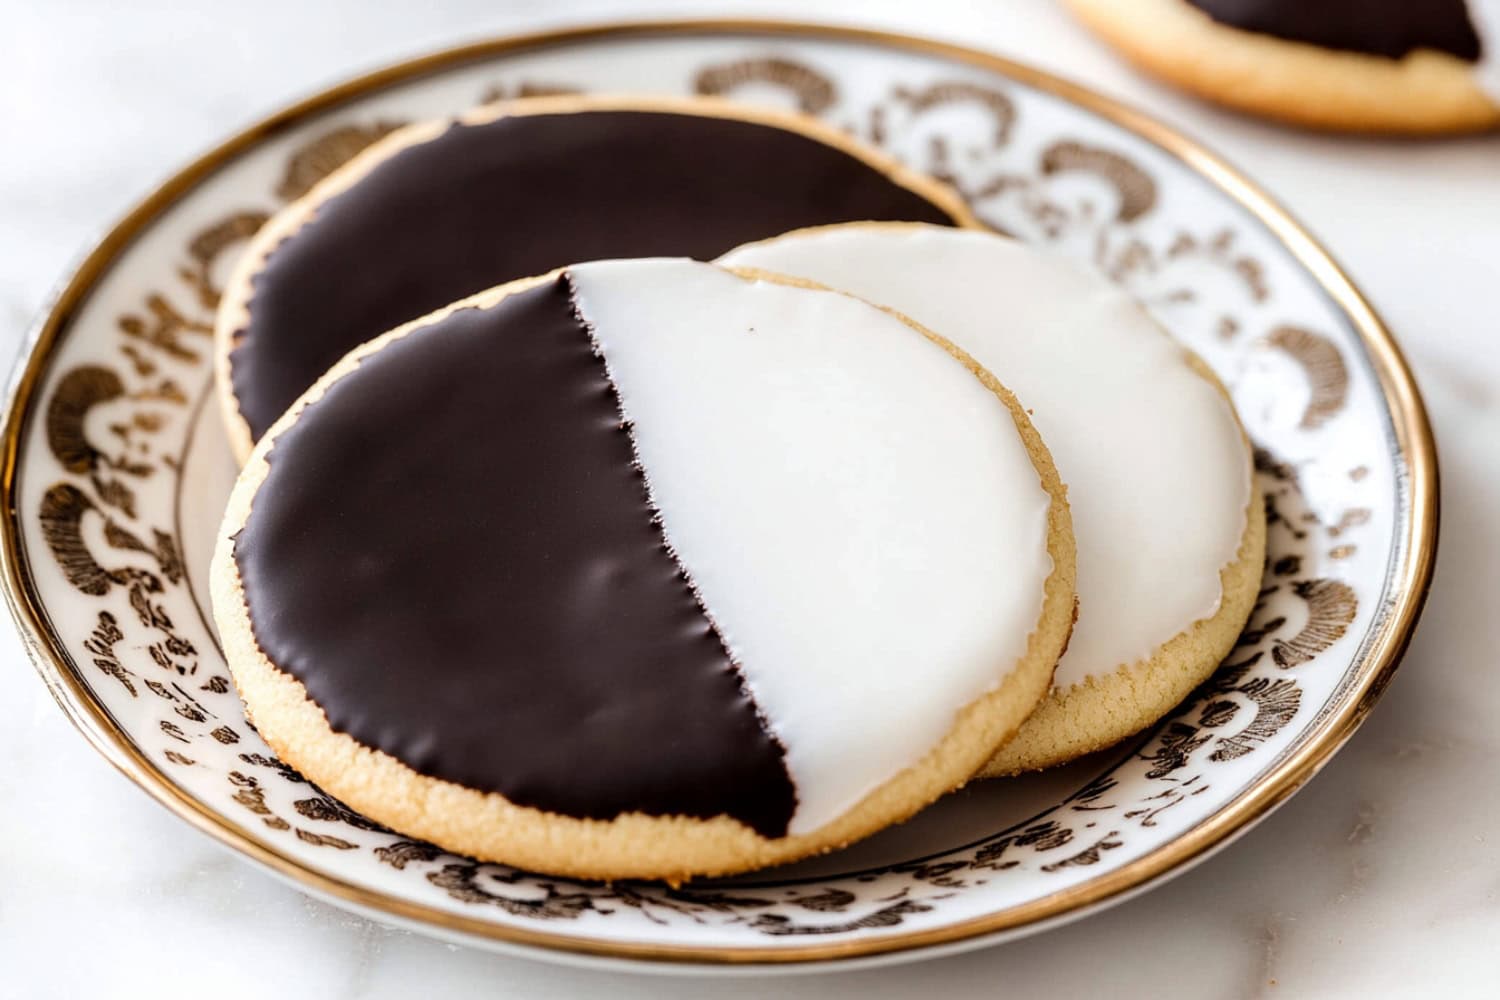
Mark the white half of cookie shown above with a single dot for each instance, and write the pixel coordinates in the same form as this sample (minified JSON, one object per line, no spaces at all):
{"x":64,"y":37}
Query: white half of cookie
{"x":1169,"y":528}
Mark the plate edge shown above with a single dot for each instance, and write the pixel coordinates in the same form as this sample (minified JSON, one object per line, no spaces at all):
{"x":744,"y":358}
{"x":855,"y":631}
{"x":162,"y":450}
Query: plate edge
{"x":1410,"y":577}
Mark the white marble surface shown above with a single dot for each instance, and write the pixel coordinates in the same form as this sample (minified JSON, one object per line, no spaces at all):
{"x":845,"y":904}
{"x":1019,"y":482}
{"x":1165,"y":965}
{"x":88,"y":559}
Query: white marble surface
{"x":1382,"y":878}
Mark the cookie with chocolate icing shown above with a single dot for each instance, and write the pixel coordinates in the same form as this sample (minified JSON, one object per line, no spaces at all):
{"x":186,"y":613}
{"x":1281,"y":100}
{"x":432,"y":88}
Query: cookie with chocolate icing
{"x":440,"y":210}
{"x":1390,"y":66}
{"x":613,"y":572}
{"x":1169,"y":524}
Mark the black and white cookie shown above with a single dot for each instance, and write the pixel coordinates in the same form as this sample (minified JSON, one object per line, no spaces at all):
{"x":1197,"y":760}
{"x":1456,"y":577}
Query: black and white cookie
{"x":646,"y":568}
{"x":441,"y":210}
{"x":1364,"y":65}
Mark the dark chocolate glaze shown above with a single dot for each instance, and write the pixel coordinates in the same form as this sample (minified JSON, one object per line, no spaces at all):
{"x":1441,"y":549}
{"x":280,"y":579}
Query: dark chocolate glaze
{"x":483,"y":204}
{"x":455,"y":554}
{"x":1391,"y":28}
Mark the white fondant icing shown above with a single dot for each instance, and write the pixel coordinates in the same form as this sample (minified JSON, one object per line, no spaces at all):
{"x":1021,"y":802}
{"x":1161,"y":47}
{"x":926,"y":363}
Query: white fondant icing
{"x":857,"y":511}
{"x":1157,"y":472}
{"x":1485,"y":16}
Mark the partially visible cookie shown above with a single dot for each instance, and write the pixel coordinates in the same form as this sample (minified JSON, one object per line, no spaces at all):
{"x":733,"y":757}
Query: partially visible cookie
{"x":1359,"y":65}
{"x":646,"y":568}
{"x":1169,"y":526}
{"x":440,"y":210}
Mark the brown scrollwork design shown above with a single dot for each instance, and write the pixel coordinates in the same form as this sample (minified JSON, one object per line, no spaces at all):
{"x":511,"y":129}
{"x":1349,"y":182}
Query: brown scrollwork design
{"x":78,"y":392}
{"x":1136,"y":188}
{"x":326,"y":153}
{"x":1322,"y":364}
{"x":995,"y":103}
{"x":813,"y":92}
{"x":207,"y":247}
{"x":1331,"y":607}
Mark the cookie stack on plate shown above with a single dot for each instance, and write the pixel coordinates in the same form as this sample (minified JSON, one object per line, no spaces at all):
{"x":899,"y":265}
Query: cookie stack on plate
{"x":645,"y":488}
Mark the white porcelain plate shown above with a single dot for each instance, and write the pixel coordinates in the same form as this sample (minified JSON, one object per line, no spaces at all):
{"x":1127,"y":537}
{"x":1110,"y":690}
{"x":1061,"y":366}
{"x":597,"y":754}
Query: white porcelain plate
{"x":116,"y":470}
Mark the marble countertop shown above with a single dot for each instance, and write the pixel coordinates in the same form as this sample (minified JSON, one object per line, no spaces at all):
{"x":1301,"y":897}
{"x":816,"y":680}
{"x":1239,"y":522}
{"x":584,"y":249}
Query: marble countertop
{"x":1381,"y":878}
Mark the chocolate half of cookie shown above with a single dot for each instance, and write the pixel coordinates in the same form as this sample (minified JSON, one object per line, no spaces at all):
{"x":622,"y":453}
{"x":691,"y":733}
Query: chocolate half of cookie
{"x":438,"y":212}
{"x":1390,"y":28}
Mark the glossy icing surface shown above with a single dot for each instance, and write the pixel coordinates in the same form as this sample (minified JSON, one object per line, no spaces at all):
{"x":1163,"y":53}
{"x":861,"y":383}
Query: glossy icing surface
{"x":856,"y":509}
{"x":1158,"y":475}
{"x":482,"y":204}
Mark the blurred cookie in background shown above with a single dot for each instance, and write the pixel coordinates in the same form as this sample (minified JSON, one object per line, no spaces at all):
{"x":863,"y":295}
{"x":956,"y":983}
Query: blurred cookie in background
{"x":1431,"y":66}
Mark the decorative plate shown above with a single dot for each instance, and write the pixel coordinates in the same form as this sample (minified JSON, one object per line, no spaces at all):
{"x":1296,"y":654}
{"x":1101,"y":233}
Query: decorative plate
{"x":116,"y":469}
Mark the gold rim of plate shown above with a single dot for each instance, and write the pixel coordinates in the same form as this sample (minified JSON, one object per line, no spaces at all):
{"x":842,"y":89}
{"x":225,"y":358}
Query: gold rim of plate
{"x":1408,"y":583}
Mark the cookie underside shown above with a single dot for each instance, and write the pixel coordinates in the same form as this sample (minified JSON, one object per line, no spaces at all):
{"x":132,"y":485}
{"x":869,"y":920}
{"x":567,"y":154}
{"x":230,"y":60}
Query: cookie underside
{"x":1099,"y":712}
